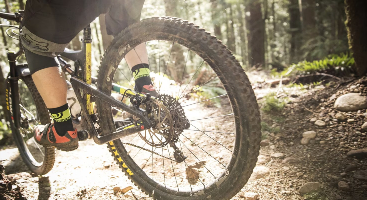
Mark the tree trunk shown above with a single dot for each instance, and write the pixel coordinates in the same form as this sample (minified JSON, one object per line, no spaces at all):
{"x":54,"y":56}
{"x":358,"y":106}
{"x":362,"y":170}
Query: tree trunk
{"x":2,"y":28}
{"x":241,"y":33}
{"x":357,"y":30}
{"x":21,"y":4}
{"x":231,"y":38}
{"x":342,"y":31}
{"x":256,"y":36}
{"x":171,"y":7}
{"x":176,"y":66}
{"x":216,"y":19}
{"x":106,"y":39}
{"x":295,"y":30}
{"x":7,"y":8}
{"x":3,"y":35}
{"x":309,"y":22}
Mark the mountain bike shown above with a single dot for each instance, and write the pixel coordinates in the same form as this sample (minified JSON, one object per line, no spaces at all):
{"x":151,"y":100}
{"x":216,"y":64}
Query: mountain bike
{"x":199,"y":139}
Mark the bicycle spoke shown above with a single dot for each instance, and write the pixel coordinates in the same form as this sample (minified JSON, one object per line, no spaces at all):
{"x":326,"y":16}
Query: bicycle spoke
{"x":210,"y":137}
{"x":201,"y":65}
{"x":169,"y":61}
{"x":199,"y":86}
{"x":164,"y":170}
{"x":173,"y":170}
{"x":147,"y":150}
{"x":138,"y":150}
{"x":125,"y":78}
{"x":152,"y":160}
{"x":204,"y":100}
{"x":209,"y":131}
{"x":183,"y":71}
{"x":197,"y":157}
{"x":190,"y":183}
{"x":211,"y":117}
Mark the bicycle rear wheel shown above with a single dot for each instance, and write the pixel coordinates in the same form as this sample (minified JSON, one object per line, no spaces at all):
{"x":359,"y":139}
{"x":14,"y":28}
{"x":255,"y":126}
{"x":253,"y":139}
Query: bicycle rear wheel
{"x":198,"y":76}
{"x":33,"y":111}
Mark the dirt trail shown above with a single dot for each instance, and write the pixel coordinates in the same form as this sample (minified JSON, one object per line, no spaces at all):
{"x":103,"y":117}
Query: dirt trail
{"x":88,"y":172}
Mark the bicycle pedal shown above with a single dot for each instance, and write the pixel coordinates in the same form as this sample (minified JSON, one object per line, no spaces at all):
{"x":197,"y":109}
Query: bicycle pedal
{"x":83,"y":135}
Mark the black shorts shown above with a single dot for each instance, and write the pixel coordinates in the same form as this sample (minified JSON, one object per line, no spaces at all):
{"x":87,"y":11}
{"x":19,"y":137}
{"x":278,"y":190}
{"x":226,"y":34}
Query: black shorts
{"x":49,"y":25}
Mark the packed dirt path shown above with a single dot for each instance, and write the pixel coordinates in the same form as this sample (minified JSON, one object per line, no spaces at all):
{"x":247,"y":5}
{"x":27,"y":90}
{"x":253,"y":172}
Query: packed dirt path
{"x":285,"y":168}
{"x":87,"y":173}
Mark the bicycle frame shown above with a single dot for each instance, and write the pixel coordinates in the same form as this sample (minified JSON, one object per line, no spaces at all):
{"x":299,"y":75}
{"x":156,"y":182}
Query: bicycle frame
{"x":82,"y":88}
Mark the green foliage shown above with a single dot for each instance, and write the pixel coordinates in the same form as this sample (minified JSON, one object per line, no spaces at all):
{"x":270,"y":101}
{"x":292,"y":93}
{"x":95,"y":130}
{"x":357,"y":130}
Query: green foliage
{"x":207,"y":92}
{"x":296,"y":85}
{"x":273,"y":104}
{"x":338,"y":63}
{"x":4,"y":132}
{"x":266,"y":127}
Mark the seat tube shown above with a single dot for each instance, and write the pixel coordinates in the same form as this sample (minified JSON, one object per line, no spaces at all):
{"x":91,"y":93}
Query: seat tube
{"x":87,"y":41}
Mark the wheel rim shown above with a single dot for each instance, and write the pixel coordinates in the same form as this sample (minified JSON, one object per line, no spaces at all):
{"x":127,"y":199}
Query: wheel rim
{"x":208,"y":145}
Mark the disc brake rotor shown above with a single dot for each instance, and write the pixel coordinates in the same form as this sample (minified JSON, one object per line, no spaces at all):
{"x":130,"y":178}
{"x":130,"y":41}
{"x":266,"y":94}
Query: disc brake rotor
{"x":161,"y":133}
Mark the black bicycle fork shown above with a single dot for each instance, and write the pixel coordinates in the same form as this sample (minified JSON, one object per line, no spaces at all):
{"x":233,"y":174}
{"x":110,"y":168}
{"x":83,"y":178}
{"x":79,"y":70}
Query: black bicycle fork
{"x":16,"y":71}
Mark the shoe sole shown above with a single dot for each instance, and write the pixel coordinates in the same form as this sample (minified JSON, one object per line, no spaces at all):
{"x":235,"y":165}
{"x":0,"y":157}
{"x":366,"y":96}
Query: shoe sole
{"x":71,"y":146}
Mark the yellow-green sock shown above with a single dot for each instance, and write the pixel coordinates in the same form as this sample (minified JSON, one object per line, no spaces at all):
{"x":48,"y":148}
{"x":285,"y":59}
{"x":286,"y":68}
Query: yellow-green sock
{"x":62,"y":119}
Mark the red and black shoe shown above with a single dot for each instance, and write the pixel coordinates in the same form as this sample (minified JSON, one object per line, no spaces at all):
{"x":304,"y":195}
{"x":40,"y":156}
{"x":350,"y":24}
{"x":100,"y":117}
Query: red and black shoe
{"x":46,"y":135}
{"x":149,"y":89}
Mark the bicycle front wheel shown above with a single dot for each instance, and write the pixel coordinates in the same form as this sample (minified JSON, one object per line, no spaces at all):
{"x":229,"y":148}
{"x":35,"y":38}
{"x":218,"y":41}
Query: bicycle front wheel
{"x":32,"y":111}
{"x":199,"y":80}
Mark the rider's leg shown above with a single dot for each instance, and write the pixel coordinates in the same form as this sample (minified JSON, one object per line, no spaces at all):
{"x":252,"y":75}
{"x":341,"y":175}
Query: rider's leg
{"x":51,"y":85}
{"x":47,"y":28}
{"x":121,"y":15}
{"x":137,"y":59}
{"x":138,"y":55}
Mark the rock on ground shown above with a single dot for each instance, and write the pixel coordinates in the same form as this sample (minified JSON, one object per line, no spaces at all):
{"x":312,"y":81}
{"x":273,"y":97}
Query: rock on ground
{"x":290,"y":160}
{"x":343,"y":185}
{"x":309,"y":134}
{"x":361,"y":175}
{"x":251,"y":196}
{"x":341,"y":116}
{"x":359,"y":154}
{"x":264,"y":143}
{"x":313,"y":119}
{"x":260,"y":172}
{"x":277,"y":155}
{"x":351,"y":102}
{"x":262,"y":159}
{"x":364,"y":126}
{"x":320,"y":123}
{"x":310,"y":187}
{"x":305,"y":141}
